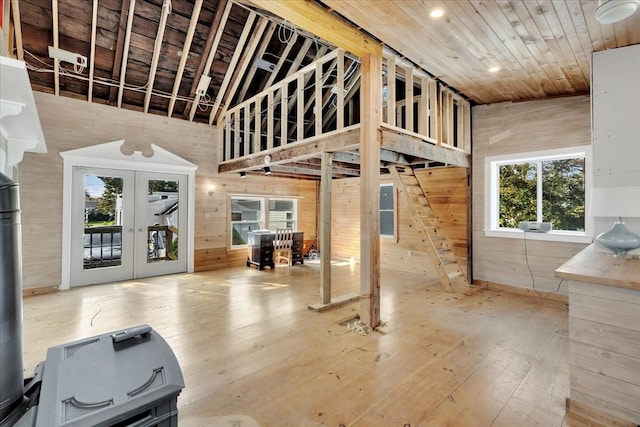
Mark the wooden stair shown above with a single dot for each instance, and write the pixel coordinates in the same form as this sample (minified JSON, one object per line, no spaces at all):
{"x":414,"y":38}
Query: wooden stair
{"x":440,"y":249}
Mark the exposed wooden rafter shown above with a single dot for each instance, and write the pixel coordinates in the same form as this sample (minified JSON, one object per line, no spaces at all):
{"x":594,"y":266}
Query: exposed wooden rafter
{"x":217,"y":35}
{"x":252,"y":71}
{"x":125,"y":50}
{"x":157,"y":48}
{"x":185,"y":55}
{"x":117,"y":57}
{"x":234,"y":61}
{"x":92,"y":55}
{"x":15,"y":10}
{"x":56,"y":61}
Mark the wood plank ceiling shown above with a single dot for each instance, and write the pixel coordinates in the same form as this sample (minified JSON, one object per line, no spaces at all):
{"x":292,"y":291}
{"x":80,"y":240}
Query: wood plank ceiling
{"x":149,"y":55}
{"x":534,"y":48}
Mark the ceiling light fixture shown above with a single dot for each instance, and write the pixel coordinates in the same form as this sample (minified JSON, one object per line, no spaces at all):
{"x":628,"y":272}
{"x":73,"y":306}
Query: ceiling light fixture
{"x":494,"y":69}
{"x":267,"y":170}
{"x":437,"y":13}
{"x":612,"y":11}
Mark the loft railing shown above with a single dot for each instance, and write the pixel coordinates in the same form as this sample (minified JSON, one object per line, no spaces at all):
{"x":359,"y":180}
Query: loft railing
{"x":436,"y":114}
{"x":323,"y":98}
{"x":316,"y":100}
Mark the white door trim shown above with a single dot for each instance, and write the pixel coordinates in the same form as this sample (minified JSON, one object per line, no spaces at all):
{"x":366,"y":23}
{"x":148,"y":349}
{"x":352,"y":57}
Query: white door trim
{"x":110,"y":156}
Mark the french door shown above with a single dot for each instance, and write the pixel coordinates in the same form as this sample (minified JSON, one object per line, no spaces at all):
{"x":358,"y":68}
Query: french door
{"x":126,"y":224}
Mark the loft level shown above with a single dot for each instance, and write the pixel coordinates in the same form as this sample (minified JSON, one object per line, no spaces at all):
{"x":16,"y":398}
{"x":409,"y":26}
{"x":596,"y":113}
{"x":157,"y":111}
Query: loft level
{"x":317,"y":109}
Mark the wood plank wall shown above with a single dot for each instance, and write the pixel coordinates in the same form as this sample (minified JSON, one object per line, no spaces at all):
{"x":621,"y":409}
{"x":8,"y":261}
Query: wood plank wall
{"x":604,"y":338}
{"x":446,"y":190}
{"x":69,"y":123}
{"x":507,"y":128}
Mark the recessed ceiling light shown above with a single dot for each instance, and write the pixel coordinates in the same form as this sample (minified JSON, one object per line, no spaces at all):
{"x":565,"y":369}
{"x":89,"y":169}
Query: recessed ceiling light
{"x":494,"y":69}
{"x":437,"y":13}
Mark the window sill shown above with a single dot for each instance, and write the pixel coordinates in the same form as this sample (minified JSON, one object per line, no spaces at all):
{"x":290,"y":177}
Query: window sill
{"x":552,"y":236}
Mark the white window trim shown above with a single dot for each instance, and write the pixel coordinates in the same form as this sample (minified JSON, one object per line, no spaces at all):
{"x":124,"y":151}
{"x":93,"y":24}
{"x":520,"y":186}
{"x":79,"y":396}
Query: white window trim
{"x":264,"y":218}
{"x":491,"y":196}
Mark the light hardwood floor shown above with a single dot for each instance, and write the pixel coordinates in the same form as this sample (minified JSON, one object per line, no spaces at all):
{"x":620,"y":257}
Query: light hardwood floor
{"x":252,"y":354}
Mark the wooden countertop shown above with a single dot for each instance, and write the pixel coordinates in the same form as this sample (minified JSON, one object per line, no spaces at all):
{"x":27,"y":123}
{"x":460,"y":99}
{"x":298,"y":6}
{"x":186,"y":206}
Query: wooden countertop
{"x":596,"y":267}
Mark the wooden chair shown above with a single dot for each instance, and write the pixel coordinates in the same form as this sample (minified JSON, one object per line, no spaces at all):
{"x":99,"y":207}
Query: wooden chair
{"x":282,"y":246}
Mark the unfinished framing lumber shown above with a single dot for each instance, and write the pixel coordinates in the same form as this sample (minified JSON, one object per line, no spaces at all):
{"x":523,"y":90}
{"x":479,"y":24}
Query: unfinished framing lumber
{"x":15,"y":8}
{"x":157,"y":47}
{"x":125,"y":51}
{"x":325,"y":228}
{"x":215,"y":33}
{"x":56,"y":61}
{"x":117,"y":59}
{"x":311,"y":17}
{"x":438,"y":247}
{"x":371,"y":104}
{"x":92,"y":55}
{"x":185,"y":55}
{"x":212,"y":54}
{"x":234,"y":61}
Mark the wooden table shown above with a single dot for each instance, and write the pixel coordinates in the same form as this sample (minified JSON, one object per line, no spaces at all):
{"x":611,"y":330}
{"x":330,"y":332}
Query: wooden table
{"x":604,"y":337}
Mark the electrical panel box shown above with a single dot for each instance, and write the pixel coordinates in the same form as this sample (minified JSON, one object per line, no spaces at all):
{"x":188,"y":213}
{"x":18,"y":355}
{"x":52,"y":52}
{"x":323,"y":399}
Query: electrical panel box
{"x":535,"y":227}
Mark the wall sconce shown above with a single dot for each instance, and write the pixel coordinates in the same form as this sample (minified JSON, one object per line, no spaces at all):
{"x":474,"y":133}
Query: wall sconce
{"x":211,"y":189}
{"x":243,"y":174}
{"x":267,"y":170}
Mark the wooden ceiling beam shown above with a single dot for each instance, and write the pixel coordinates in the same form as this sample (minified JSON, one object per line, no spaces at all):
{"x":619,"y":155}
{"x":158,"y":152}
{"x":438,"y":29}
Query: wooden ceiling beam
{"x":125,"y":50}
{"x":212,"y":53}
{"x":185,"y":55}
{"x":237,"y":73}
{"x":92,"y":54}
{"x":347,"y":140}
{"x":157,"y":48}
{"x":235,"y":59}
{"x":413,"y":147}
{"x":283,"y":57}
{"x":15,"y":9}
{"x":252,"y":72}
{"x":117,"y":57}
{"x":56,"y":61}
{"x":313,"y":18}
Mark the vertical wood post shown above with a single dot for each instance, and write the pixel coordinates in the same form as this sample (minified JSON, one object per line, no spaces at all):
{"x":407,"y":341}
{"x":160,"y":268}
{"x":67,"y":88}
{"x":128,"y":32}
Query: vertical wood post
{"x":325,"y":228}
{"x":371,"y":118}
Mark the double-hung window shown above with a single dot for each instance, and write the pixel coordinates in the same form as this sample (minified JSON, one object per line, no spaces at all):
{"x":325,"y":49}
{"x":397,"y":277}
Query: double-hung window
{"x":549,"y":186}
{"x":251,"y":213}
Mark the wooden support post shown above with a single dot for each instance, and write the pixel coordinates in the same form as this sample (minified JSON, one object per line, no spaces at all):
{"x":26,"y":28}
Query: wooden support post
{"x":391,"y":91}
{"x":371,"y":106}
{"x":236,"y":133}
{"x":340,"y":90}
{"x":257,"y":123}
{"x":408,"y":99}
{"x":423,"y":107}
{"x":300,"y":108}
{"x":325,"y":228}
{"x":284,"y":112}
{"x":317,"y":103}
{"x":270,"y":119}
{"x":247,"y":129}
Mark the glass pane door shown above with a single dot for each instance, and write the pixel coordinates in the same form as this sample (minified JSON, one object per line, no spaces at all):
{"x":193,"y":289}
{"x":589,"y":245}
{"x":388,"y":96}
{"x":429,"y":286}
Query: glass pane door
{"x":161,"y":212}
{"x":102,"y":226}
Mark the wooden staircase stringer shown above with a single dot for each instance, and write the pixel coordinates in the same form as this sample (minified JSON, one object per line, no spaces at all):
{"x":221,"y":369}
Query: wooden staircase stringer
{"x":439,"y":248}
